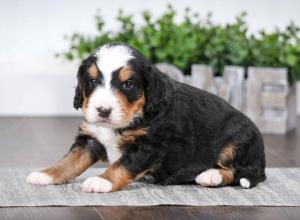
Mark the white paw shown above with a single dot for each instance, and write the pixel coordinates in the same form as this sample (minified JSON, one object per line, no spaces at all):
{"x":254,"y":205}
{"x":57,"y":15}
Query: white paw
{"x":211,"y":177}
{"x":245,"y":183}
{"x":39,"y":178}
{"x":96,"y":184}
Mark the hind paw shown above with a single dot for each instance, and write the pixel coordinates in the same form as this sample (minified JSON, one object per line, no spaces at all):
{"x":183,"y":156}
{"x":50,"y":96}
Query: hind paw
{"x":211,"y":177}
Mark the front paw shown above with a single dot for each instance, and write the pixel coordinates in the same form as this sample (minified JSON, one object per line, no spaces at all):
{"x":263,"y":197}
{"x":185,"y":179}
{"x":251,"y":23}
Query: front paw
{"x":39,"y":178}
{"x":97,"y":184}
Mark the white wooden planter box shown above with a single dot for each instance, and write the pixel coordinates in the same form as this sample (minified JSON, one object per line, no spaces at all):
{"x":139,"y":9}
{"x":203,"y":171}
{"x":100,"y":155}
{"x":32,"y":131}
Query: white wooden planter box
{"x":265,"y":96}
{"x":271,"y":103}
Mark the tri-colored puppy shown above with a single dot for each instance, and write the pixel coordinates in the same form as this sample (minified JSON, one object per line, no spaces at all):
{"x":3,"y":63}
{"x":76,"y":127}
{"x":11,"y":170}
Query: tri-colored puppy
{"x":146,"y":124}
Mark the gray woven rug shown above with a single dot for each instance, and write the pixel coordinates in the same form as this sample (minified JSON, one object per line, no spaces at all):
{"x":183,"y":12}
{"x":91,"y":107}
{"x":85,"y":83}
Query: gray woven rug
{"x":282,"y":188}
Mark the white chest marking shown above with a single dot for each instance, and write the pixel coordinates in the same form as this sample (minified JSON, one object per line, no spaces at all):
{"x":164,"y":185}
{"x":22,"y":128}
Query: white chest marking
{"x":110,"y":141}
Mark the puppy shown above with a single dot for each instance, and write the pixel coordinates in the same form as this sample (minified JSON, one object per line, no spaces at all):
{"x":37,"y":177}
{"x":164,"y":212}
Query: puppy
{"x":145,"y":124}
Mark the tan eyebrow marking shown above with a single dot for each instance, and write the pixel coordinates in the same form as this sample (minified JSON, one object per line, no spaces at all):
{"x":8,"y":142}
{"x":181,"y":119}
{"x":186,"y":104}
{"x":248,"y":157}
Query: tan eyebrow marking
{"x":93,"y":71}
{"x":125,"y":73}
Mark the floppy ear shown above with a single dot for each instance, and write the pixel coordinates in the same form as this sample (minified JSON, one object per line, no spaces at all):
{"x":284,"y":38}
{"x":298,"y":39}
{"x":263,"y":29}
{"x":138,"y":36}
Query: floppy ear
{"x":78,"y":98}
{"x":158,"y":91}
{"x":84,"y":67}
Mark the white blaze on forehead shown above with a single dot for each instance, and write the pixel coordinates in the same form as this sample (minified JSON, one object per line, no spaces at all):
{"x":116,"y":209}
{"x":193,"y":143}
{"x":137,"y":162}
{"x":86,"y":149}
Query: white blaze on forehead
{"x":111,"y":58}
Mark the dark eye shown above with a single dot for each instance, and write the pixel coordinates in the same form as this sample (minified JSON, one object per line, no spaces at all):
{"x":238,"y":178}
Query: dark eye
{"x":94,"y":82}
{"x":128,"y":84}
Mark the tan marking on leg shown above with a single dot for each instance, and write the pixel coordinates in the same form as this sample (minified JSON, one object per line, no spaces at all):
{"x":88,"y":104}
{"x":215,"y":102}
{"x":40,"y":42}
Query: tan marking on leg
{"x":118,"y":175}
{"x":227,"y":176}
{"x":226,"y":156}
{"x":71,"y":166}
{"x":125,"y":73}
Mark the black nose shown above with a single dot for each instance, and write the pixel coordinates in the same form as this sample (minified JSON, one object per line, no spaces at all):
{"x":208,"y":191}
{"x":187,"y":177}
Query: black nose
{"x":104,"y":112}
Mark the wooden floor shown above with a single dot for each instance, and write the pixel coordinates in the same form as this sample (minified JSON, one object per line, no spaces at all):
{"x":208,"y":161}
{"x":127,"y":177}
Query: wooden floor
{"x":41,"y":141}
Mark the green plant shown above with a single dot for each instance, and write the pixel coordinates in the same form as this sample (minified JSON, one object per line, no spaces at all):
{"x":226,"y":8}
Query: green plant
{"x":196,"y":40}
{"x":277,"y":49}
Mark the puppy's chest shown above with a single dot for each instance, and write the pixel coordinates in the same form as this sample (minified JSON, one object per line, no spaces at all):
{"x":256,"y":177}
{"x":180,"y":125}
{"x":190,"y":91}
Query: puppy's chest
{"x":110,"y":140}
{"x":115,"y":143}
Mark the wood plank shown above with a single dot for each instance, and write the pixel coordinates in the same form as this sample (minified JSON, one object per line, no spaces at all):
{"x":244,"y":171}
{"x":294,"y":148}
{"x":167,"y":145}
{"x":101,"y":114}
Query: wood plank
{"x":210,"y":212}
{"x":245,"y":213}
{"x":147,"y":212}
{"x":45,"y":213}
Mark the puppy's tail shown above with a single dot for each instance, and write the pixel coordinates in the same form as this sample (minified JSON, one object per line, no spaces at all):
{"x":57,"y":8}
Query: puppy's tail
{"x":249,"y":177}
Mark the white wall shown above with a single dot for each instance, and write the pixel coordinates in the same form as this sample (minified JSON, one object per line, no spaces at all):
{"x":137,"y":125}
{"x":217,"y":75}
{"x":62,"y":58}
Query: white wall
{"x":34,"y":82}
